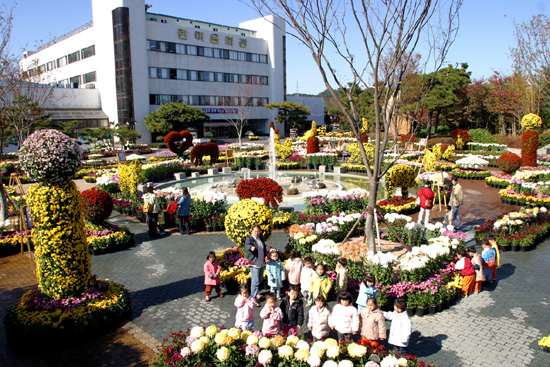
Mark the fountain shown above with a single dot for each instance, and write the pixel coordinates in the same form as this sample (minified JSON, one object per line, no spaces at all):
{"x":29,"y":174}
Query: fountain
{"x":272,"y":157}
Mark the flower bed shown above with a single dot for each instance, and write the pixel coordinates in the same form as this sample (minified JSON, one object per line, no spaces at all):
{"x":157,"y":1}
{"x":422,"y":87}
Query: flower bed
{"x":499,"y":181}
{"x":398,"y":205}
{"x":517,"y":230}
{"x":232,"y":347}
{"x":54,"y":320}
{"x":108,"y":239}
{"x":11,"y":243}
{"x":471,"y":174}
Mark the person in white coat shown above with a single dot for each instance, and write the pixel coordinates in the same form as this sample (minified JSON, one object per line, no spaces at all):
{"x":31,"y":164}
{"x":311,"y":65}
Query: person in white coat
{"x":318,"y":319}
{"x":401,"y":326}
{"x":344,"y":317}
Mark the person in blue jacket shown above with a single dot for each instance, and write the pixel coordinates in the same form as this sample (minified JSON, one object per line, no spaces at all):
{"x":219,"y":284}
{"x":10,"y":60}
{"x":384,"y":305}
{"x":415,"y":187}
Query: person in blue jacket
{"x":184,"y":209}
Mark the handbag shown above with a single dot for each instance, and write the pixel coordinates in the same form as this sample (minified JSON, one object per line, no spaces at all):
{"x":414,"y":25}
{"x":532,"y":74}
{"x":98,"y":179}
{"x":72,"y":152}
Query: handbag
{"x":147,"y":208}
{"x":429,"y":203}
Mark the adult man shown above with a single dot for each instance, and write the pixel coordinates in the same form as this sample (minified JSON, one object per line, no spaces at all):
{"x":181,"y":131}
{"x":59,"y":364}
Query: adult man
{"x":256,"y":250}
{"x":151,"y":206}
{"x":457,"y":200}
{"x":426,"y":196}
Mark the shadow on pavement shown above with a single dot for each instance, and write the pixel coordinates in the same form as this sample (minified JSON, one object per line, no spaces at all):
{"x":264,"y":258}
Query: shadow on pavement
{"x":423,"y":346}
{"x":165,"y":293}
{"x":505,"y":271}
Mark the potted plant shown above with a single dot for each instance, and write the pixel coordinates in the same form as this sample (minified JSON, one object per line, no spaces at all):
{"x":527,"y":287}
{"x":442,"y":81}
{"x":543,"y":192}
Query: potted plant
{"x":258,"y":163}
{"x":208,"y":223}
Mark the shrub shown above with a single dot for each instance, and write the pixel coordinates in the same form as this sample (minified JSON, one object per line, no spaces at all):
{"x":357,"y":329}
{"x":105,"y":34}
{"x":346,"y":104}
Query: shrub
{"x":509,"y":162}
{"x":529,"y":146}
{"x":50,"y":156}
{"x":312,"y":145}
{"x":157,"y":145}
{"x":481,"y":136}
{"x":264,"y":188}
{"x":461,"y":137}
{"x":201,"y":150}
{"x":245,"y":214}
{"x":544,"y":138}
{"x":97,"y":205}
{"x":531,"y":122}
{"x":400,"y":175}
{"x":178,"y":142}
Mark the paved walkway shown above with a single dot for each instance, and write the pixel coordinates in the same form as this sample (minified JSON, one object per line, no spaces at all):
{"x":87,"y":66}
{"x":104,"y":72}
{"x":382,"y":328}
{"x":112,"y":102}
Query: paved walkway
{"x":499,"y":327}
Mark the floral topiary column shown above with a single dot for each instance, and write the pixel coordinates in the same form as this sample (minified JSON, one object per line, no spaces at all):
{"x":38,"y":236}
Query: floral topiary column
{"x":62,"y":258}
{"x":530,"y":139}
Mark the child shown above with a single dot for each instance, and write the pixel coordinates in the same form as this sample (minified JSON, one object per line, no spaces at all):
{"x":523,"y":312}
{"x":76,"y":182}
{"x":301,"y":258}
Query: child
{"x":272,"y":315}
{"x":342,"y":275}
{"x":294,"y":268}
{"x":477,"y":263}
{"x":320,"y":283}
{"x":293,"y":311}
{"x":489,"y":259}
{"x":366,"y":290}
{"x":401,"y":326}
{"x":275,"y":273}
{"x":493,"y":242}
{"x":212,"y":270}
{"x":161,"y":222}
{"x":344,"y":317}
{"x":448,"y":218}
{"x":305,"y":275}
{"x":318,"y":319}
{"x":245,"y":304}
{"x":464,"y":264}
{"x":373,"y":325}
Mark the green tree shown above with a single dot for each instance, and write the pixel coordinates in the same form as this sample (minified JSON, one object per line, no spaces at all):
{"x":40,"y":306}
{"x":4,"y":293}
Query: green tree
{"x":173,"y":116}
{"x":69,"y":128}
{"x":100,"y":134}
{"x":445,"y":87}
{"x":124,"y":133}
{"x":292,"y":114}
{"x":24,"y":116}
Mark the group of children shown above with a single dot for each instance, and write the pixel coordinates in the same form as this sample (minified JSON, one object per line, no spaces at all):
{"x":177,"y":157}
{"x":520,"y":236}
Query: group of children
{"x":477,"y":268}
{"x":309,"y":283}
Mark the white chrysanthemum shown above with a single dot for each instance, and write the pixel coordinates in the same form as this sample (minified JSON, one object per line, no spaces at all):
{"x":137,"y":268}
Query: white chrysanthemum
{"x":265,"y":357}
{"x":303,"y":345}
{"x":197,"y":332}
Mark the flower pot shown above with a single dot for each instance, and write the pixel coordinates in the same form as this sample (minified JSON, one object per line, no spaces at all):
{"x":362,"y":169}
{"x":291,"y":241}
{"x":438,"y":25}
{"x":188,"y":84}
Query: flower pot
{"x":525,"y":248}
{"x":315,"y":166}
{"x":420,"y":311}
{"x":309,"y":166}
{"x":431,"y":310}
{"x":208,"y":229}
{"x":330,"y":168}
{"x":445,"y":304}
{"x":505,"y":248}
{"x":411,"y":311}
{"x":438,"y":307}
{"x":257,"y":167}
{"x":217,"y":228}
{"x":515,"y":248}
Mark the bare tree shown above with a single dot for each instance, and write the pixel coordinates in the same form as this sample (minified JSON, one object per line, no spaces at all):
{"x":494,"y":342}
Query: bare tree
{"x":377,"y":41}
{"x":240,"y":112}
{"x":532,"y":53}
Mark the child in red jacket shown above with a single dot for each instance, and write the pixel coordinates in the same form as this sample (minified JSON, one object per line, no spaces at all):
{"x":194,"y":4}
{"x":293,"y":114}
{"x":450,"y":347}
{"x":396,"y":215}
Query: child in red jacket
{"x":464,"y":264}
{"x":212,"y":270}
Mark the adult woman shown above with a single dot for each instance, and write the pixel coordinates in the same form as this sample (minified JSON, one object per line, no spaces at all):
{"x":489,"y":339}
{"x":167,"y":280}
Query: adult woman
{"x":256,"y":250}
{"x":151,"y":202}
{"x":457,"y":200}
{"x":184,"y":209}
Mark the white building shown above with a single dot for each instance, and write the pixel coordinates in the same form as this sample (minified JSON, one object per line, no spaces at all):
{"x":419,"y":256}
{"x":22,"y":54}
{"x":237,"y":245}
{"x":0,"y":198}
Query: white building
{"x":140,"y":60}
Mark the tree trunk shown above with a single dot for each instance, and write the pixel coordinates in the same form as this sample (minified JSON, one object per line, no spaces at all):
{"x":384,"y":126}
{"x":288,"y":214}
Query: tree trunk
{"x":429,"y":125}
{"x":3,"y":203}
{"x":436,"y":124}
{"x":369,"y":223}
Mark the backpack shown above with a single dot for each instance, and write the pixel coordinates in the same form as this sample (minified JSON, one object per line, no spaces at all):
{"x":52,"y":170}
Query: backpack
{"x":147,"y":208}
{"x":172,"y":207}
{"x":429,"y":203}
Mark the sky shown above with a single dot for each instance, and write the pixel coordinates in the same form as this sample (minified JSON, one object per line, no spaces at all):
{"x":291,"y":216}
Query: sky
{"x":484,"y":39}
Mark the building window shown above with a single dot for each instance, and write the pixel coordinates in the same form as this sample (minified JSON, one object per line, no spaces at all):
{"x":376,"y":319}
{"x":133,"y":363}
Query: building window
{"x":193,"y":75}
{"x":263,"y":59}
{"x":62,"y":61}
{"x":233,"y":55}
{"x":153,"y":73}
{"x":89,"y":77}
{"x":74,"y":57}
{"x":153,"y":45}
{"x":198,"y":26}
{"x":164,"y":73}
{"x":192,"y":50}
{"x":50,"y":65}
{"x":180,"y":49}
{"x":182,"y":74}
{"x":75,"y":81}
{"x":88,"y":52}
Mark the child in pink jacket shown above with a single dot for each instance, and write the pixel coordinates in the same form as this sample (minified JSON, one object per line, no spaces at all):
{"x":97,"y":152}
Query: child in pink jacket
{"x":293,"y":268}
{"x":212,"y":270}
{"x":272,"y":316}
{"x":245,"y":304}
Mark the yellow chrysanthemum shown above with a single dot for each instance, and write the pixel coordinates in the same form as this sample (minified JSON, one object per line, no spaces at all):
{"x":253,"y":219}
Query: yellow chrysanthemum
{"x":211,"y":331}
{"x":286,"y":351}
{"x":333,"y":352}
{"x":223,"y":354}
{"x":302,"y":355}
{"x":264,"y":343}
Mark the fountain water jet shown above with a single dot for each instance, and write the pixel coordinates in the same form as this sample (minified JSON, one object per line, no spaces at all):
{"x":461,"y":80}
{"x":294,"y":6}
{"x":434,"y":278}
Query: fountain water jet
{"x":273,"y":174}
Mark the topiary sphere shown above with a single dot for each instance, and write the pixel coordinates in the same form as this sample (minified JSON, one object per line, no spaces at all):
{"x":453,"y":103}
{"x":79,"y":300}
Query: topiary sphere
{"x":97,"y":205}
{"x":509,"y":162}
{"x":50,"y":156}
{"x":245,"y":214}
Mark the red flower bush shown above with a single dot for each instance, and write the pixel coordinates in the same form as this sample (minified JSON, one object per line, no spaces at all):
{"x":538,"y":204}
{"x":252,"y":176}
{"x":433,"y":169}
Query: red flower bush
{"x":201,"y":150}
{"x":509,"y":162}
{"x":408,"y":138}
{"x":264,"y":188}
{"x":97,"y":205}
{"x":178,"y":142}
{"x":529,"y":146}
{"x":462,"y":133}
{"x":312,"y":145}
